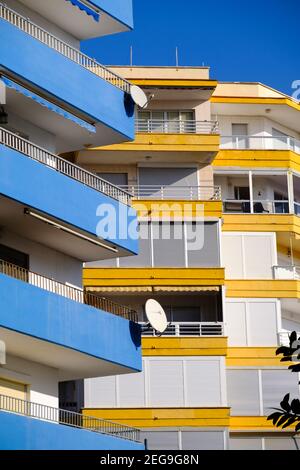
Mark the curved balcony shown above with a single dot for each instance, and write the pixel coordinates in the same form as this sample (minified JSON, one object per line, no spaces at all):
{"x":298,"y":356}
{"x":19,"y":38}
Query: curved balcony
{"x":28,"y":27}
{"x":250,"y":142}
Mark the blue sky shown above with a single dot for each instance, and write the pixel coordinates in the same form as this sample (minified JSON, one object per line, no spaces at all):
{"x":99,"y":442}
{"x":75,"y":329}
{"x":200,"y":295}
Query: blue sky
{"x":255,"y":40}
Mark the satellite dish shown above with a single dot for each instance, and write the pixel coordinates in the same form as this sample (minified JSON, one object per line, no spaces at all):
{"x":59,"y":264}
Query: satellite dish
{"x":156,"y":316}
{"x":139,"y":96}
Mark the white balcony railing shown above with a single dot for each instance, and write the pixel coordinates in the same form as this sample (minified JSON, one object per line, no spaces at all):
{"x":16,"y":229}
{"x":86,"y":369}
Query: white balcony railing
{"x":284,"y":337}
{"x":286,"y":272}
{"x":61,"y":165}
{"x":156,"y":126}
{"x":24,"y":24}
{"x":244,"y":142}
{"x":188,"y":329}
{"x":261,"y":206}
{"x":192,"y":193}
{"x":68,"y":418}
{"x":65,"y":290}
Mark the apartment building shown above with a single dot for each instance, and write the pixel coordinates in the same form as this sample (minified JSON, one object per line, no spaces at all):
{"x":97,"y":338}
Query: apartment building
{"x":56,"y":100}
{"x":219,"y":160}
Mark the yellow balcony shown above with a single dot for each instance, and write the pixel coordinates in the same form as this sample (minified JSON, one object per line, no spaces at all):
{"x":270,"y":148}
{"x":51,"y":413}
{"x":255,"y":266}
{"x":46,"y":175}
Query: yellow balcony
{"x":258,"y":158}
{"x":278,"y":288}
{"x":185,"y":346}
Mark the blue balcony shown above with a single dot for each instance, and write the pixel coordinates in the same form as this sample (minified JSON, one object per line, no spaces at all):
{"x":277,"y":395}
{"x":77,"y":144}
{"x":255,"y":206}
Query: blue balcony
{"x":20,"y":432}
{"x":68,"y":79}
{"x":62,"y":327}
{"x":61,"y":195}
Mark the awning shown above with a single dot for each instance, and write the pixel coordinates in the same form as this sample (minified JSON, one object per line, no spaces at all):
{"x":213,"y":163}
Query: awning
{"x":47,"y":104}
{"x":88,"y":10}
{"x":154,"y":289}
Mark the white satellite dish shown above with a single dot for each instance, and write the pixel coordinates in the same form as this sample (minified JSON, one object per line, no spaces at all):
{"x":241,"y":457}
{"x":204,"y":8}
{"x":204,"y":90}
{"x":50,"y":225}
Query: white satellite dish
{"x":156,"y":316}
{"x":139,"y":96}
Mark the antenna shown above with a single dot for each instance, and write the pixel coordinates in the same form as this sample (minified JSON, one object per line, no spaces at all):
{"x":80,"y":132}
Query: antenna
{"x":131,"y":56}
{"x":177,"y":57}
{"x":156,"y":316}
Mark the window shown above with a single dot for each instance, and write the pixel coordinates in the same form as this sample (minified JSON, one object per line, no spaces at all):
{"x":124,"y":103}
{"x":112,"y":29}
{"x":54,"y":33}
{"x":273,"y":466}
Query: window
{"x":240,"y":136}
{"x":167,"y":121}
{"x":118,"y":179}
{"x":168,"y":244}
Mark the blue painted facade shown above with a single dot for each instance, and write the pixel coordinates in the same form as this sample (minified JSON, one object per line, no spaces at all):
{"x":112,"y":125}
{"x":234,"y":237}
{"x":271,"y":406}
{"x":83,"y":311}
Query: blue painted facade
{"x":22,"y":433}
{"x":49,"y":317}
{"x":121,"y":10}
{"x":65,"y":80}
{"x":59,"y":196}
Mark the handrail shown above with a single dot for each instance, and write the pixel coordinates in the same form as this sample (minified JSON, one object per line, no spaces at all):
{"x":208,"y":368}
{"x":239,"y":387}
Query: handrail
{"x":68,"y":418}
{"x":286,"y":272}
{"x":70,"y":292}
{"x":188,"y":329}
{"x":268,"y":142}
{"x":256,"y":206}
{"x":63,"y":48}
{"x":168,"y":192}
{"x":11,"y":140}
{"x":164,"y":126}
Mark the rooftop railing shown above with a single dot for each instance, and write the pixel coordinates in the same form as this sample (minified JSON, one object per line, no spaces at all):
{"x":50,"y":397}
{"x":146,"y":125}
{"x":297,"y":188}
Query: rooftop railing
{"x":61,"y":165}
{"x":168,"y":192}
{"x":67,"y":418}
{"x":70,"y":292}
{"x":188,"y":329}
{"x":246,"y":142}
{"x":156,"y":126}
{"x":24,"y":24}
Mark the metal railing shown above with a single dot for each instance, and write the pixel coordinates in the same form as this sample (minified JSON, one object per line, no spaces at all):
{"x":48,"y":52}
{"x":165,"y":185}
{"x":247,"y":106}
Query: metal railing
{"x":168,"y":192}
{"x":24,"y":24}
{"x":70,"y":292}
{"x":157,"y":126}
{"x":286,"y":272}
{"x":188,"y":329}
{"x":68,"y":418}
{"x":244,"y":142}
{"x":257,"y":206}
{"x":11,"y":140}
{"x":284,"y":337}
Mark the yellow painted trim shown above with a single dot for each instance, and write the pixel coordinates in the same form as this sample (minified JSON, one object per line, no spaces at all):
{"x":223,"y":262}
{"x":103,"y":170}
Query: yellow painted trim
{"x":167,"y":143}
{"x":251,"y":100}
{"x":144,"y":82}
{"x":261,"y":223}
{"x":176,"y":209}
{"x":204,"y":346}
{"x":153,"y":277}
{"x":253,"y":357}
{"x":279,"y":288}
{"x":285,"y":159}
{"x":163,"y":417}
{"x":253,"y":423}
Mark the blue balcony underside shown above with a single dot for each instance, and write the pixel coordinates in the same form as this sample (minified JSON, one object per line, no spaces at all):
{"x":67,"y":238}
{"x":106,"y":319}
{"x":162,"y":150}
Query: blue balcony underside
{"x":78,"y":340}
{"x":22,"y":433}
{"x":25,"y":182}
{"x":68,"y":84}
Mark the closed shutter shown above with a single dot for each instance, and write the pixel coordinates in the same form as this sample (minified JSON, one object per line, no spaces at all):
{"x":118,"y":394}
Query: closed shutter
{"x":143,"y":259}
{"x":132,"y":390}
{"x":13,"y":389}
{"x":100,"y":392}
{"x":202,"y":244}
{"x":166,"y":383}
{"x":262,"y":323}
{"x":203,"y":387}
{"x":280,"y":443}
{"x":245,"y":443}
{"x":236,"y":323}
{"x":275,"y":385}
{"x":161,"y":440}
{"x":204,"y":440}
{"x":243,"y":392}
{"x":168,"y":245}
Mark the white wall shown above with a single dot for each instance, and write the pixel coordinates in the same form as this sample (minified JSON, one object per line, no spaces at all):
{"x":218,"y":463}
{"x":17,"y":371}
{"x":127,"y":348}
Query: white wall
{"x":42,"y":381}
{"x":44,"y":260}
{"x":43,"y":22}
{"x":249,"y":255}
{"x":252,"y":322}
{"x":165,"y":382}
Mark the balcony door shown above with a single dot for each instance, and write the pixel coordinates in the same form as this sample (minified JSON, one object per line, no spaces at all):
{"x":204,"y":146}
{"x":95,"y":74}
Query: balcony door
{"x":172,"y":122}
{"x":240,"y":136}
{"x":168,"y":183}
{"x":18,"y":263}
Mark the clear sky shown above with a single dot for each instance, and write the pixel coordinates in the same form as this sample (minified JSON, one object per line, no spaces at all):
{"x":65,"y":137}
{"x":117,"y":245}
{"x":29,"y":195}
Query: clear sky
{"x":241,"y":40}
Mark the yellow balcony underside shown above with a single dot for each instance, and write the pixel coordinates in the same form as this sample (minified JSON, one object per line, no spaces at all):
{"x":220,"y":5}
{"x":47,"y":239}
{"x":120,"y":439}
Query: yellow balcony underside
{"x":205,"y":346}
{"x":178,"y":209}
{"x":93,"y":277}
{"x":261,"y":223}
{"x":254,"y":423}
{"x":286,"y":159}
{"x":168,"y":143}
{"x":254,"y":100}
{"x":254,"y":357}
{"x":279,"y":288}
{"x":163,"y":417}
{"x":169,"y":82}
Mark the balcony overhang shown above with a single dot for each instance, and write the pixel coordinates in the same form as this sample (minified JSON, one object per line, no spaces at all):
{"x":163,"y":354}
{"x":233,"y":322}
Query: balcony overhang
{"x":85,"y":19}
{"x":50,"y":329}
{"x":264,"y":288}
